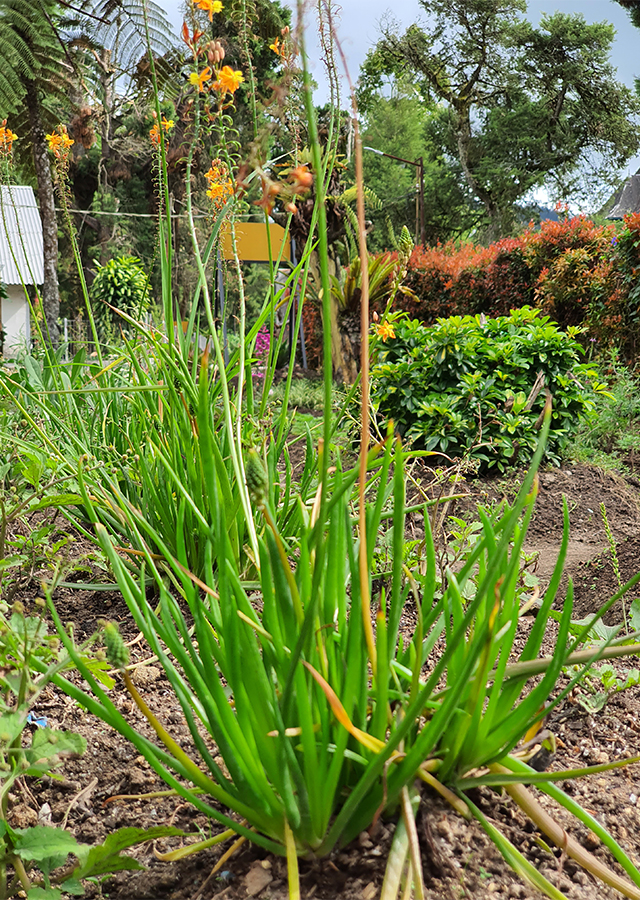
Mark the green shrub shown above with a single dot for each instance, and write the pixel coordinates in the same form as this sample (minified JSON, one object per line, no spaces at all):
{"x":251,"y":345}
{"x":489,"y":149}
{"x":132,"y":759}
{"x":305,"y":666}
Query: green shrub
{"x":120,"y":285}
{"x":470,"y":386}
{"x":612,"y":429}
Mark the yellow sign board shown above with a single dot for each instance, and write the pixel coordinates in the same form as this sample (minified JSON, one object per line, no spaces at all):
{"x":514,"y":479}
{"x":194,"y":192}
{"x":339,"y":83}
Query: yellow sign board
{"x":252,"y":243}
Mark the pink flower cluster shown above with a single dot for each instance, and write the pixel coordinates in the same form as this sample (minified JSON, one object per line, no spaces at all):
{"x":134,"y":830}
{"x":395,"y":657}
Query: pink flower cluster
{"x":263,"y":342}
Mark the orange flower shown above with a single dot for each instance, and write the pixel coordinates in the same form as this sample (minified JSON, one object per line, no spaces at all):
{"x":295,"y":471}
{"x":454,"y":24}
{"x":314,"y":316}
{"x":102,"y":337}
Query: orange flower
{"x":199,"y":79}
{"x":220,"y":185}
{"x":190,"y":40}
{"x":384,"y":330}
{"x":154,"y":134}
{"x":301,"y":178}
{"x":286,"y":50}
{"x":7,"y":137}
{"x":220,"y":193}
{"x":270,"y":190}
{"x":59,"y":143}
{"x":209,"y":6}
{"x":228,"y":81}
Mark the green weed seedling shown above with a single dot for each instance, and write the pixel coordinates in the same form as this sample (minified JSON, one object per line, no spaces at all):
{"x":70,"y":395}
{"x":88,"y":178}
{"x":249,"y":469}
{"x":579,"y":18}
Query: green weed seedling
{"x":612,"y":429}
{"x":43,"y":861}
{"x":29,"y":484}
{"x":601,"y":682}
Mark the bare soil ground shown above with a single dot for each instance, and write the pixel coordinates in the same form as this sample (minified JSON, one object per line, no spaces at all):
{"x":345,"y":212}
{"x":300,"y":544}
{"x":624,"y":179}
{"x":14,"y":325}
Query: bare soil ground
{"x":458,"y":859}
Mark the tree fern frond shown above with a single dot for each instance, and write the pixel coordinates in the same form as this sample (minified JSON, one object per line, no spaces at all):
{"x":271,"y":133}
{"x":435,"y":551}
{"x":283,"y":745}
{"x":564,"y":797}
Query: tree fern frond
{"x":166,"y":67}
{"x":123,"y":27}
{"x":371,"y":198}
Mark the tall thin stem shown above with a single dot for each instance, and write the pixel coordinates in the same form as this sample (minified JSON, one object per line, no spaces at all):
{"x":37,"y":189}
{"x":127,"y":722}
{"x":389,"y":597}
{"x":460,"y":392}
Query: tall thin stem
{"x":323,"y":252}
{"x":235,"y":448}
{"x":363,"y":555}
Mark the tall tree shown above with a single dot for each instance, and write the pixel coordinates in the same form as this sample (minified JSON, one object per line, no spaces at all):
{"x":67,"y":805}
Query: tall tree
{"x":526,"y":106}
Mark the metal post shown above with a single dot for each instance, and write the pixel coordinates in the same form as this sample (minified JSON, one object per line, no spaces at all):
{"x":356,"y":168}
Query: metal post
{"x":419,"y":164}
{"x":220,"y":304}
{"x":294,"y":305}
{"x":421,"y":199}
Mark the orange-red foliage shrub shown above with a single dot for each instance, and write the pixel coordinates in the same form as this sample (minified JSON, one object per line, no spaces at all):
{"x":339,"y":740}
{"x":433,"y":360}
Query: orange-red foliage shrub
{"x":577,"y":272}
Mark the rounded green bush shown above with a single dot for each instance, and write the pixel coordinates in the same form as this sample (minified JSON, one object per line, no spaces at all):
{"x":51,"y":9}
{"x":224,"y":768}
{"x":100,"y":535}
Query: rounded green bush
{"x":476,"y":387}
{"x":120,"y":285}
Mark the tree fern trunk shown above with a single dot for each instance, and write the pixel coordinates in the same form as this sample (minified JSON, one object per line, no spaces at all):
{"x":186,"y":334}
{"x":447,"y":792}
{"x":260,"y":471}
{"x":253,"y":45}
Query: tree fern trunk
{"x":46,"y":199}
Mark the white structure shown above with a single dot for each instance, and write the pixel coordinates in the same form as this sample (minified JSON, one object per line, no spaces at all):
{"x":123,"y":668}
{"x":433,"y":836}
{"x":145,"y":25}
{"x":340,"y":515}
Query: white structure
{"x":21,"y":261}
{"x":626,"y":198}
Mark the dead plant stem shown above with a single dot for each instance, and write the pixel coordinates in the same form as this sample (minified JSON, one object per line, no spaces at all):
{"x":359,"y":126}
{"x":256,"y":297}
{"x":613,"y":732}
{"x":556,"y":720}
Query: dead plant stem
{"x":363,"y":561}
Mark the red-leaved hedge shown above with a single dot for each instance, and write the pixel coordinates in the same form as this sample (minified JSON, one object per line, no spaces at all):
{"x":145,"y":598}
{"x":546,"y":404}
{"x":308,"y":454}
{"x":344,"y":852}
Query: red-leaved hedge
{"x":567,"y":267}
{"x":577,"y":272}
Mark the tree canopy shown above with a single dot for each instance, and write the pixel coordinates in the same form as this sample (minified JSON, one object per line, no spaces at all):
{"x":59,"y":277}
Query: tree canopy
{"x":522,"y":107}
{"x":633,"y":7}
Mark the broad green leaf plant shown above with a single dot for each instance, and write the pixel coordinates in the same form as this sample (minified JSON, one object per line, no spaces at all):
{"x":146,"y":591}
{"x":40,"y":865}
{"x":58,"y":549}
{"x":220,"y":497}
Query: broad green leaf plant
{"x":45,"y":862}
{"x":476,"y":386}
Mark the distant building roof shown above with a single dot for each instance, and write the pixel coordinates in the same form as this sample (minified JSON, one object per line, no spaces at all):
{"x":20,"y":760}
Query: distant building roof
{"x":21,"y":251}
{"x":626,"y":200}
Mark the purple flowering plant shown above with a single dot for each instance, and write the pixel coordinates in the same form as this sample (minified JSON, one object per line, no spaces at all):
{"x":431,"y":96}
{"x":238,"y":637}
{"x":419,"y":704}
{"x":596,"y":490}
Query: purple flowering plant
{"x":263,"y":343}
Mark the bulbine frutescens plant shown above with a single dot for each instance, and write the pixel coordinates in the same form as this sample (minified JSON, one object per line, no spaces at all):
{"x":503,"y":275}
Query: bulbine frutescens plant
{"x":318,"y":736}
{"x":131,"y":413}
{"x":310,"y":713}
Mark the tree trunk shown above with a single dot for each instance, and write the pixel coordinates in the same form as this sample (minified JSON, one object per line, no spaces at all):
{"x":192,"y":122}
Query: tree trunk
{"x":464,"y":137}
{"x":46,"y":199}
{"x":107,"y":78}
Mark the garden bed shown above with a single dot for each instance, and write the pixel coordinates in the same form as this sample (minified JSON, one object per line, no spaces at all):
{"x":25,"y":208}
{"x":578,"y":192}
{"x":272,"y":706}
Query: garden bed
{"x":458,"y":858}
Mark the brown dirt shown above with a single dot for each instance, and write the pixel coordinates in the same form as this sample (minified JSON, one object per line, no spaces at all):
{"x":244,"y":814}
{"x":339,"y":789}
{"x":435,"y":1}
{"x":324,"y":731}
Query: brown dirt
{"x":459,"y":860}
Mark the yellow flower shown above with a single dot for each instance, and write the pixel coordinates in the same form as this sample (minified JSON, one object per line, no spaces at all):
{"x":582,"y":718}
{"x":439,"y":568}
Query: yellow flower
{"x":7,"y":137}
{"x":220,"y":185}
{"x":228,"y":81}
{"x":209,"y":6}
{"x":167,"y":124}
{"x":199,"y":79}
{"x":59,"y":143}
{"x":385,"y":330}
{"x":276,"y":46}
